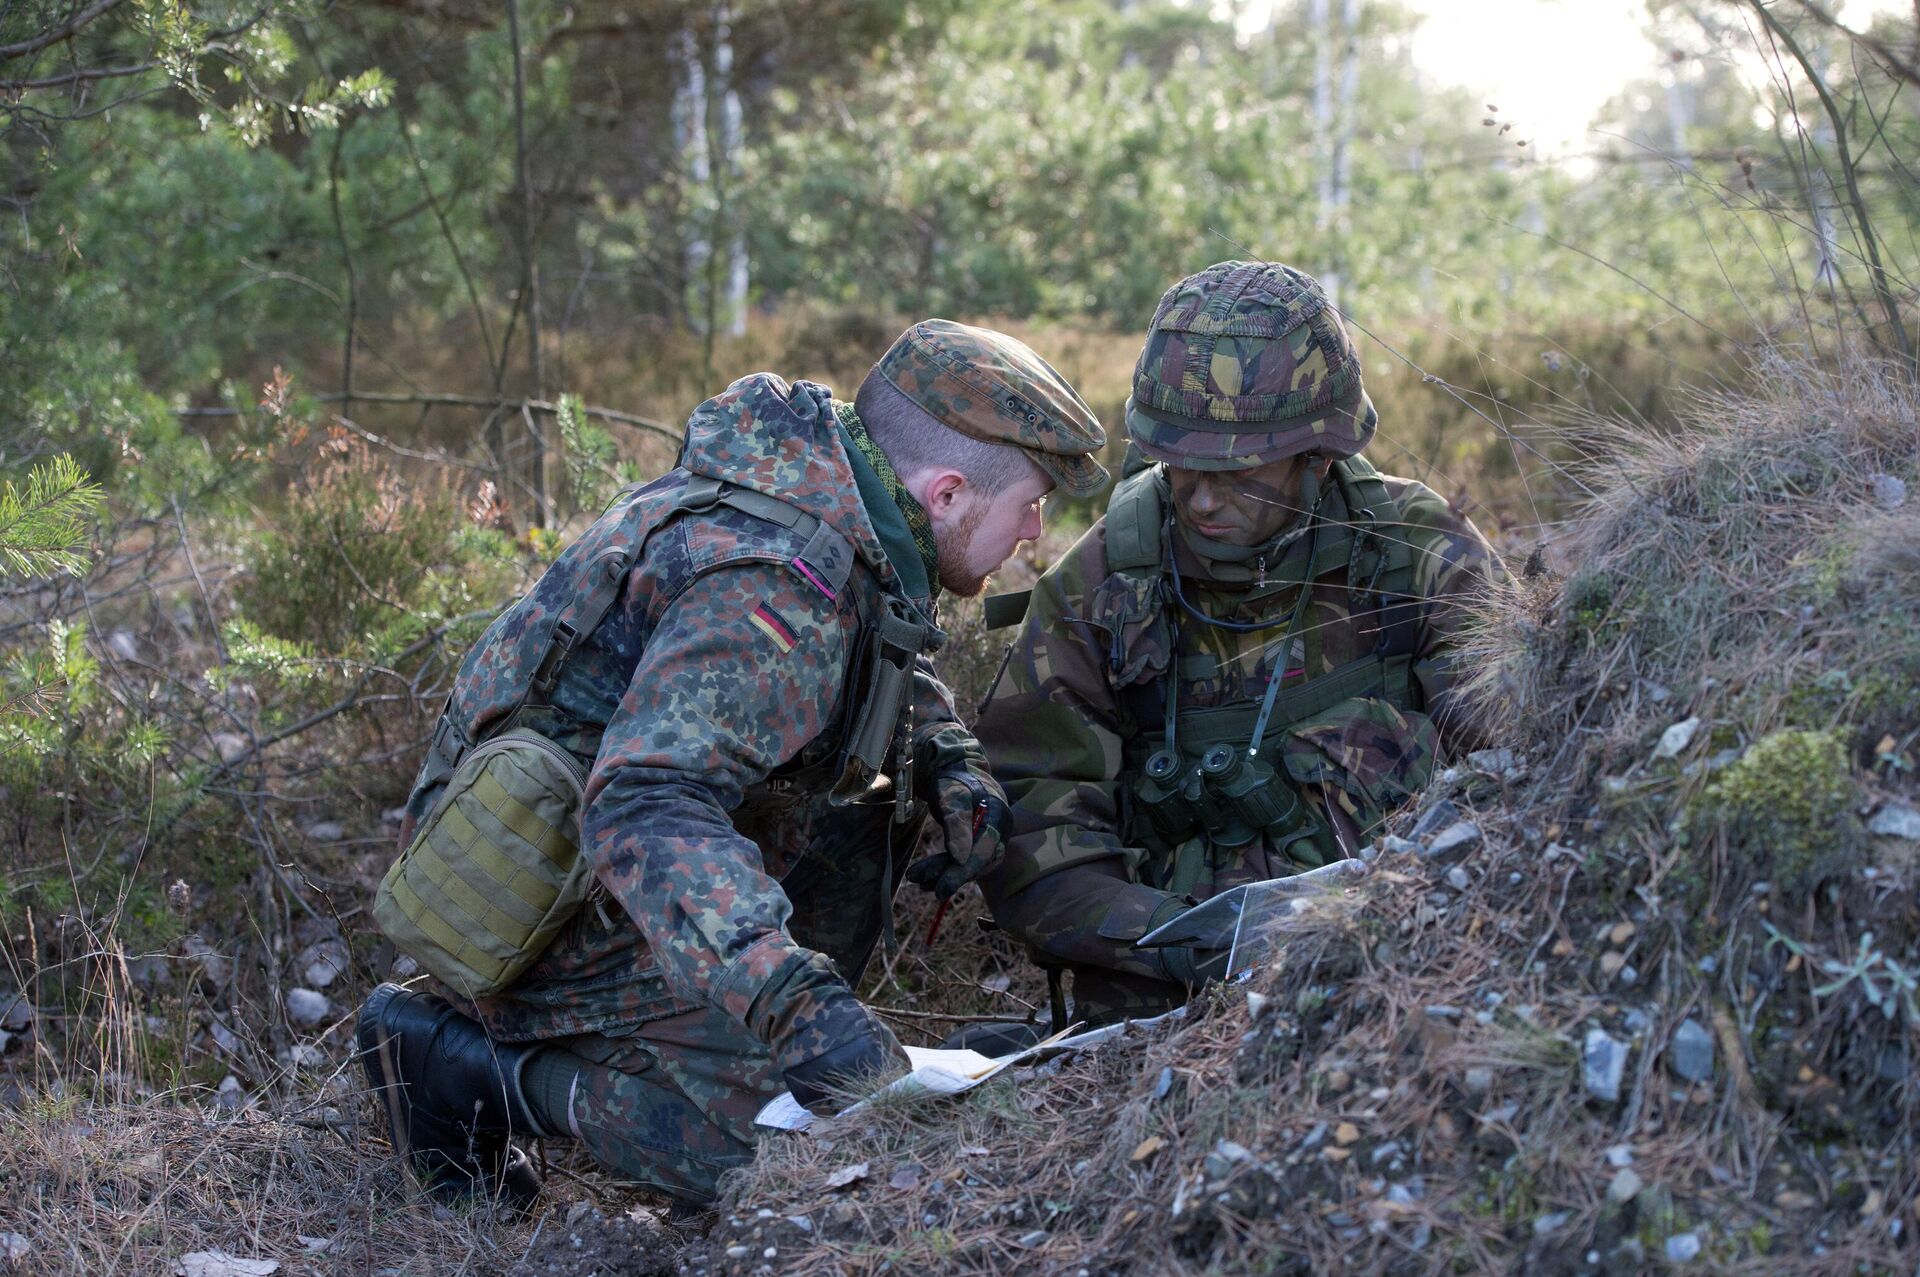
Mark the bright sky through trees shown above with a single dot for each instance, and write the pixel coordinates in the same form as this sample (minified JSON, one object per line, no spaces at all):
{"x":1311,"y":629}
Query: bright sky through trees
{"x":1549,"y":65}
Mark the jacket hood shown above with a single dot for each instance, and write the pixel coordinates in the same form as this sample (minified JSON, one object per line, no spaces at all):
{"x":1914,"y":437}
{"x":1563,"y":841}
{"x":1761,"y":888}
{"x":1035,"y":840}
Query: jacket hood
{"x":783,"y":440}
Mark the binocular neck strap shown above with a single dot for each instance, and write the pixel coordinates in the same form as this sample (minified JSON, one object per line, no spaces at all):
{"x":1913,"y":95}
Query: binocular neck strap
{"x":1277,"y":669}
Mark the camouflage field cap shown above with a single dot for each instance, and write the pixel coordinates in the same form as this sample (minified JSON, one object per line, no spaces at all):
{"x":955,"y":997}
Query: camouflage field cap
{"x":987,"y":385}
{"x":1247,"y":363}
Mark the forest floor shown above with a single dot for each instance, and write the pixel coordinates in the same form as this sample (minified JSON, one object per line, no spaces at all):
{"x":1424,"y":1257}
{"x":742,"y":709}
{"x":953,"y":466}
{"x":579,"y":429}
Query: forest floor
{"x":1634,"y":992}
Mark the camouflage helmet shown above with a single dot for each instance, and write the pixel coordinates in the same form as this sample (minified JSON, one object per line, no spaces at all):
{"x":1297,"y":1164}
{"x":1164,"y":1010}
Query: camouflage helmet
{"x":1247,"y":363}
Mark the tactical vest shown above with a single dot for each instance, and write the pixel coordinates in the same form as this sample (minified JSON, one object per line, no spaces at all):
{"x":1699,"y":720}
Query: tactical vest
{"x":1191,"y":792}
{"x":494,"y":870}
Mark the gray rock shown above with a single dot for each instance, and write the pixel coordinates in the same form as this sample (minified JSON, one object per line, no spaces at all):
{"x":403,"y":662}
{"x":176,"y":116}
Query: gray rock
{"x":230,"y":746}
{"x":326,"y":831}
{"x":1625,"y":1187}
{"x":1038,"y":1237}
{"x":1690,"y":1052}
{"x":1676,"y":738}
{"x":1479,"y":1080}
{"x":1896,"y":820}
{"x":1456,"y":842}
{"x":1682,"y":1247}
{"x":1550,"y":1223}
{"x":13,"y":1247}
{"x":1391,"y":845}
{"x":1434,"y":819}
{"x":1492,"y":761}
{"x":323,"y":962}
{"x":306,"y":1008}
{"x":1889,"y":491}
{"x":16,"y":1013}
{"x":1620,"y":1155}
{"x":216,"y":969}
{"x":1458,"y":879}
{"x":1603,"y":1063}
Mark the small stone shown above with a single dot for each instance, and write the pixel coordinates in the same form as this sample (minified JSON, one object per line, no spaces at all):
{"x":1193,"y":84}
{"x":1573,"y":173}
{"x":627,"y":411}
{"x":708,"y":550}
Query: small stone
{"x":323,"y":962}
{"x":1625,"y":1187}
{"x":16,"y":1013}
{"x":1392,"y":845}
{"x":1889,"y":491}
{"x":1620,"y":1155}
{"x":1455,"y":842}
{"x":1038,"y":1237}
{"x":230,"y":746}
{"x":1610,"y":963}
{"x":1492,"y":761}
{"x":1603,"y":1063}
{"x":1550,"y":1223}
{"x":1441,"y":1011}
{"x":1258,"y":1004}
{"x":1690,"y":1052}
{"x":1682,"y":1248}
{"x":307,"y":1008}
{"x":1896,"y":820}
{"x":1346,"y":1133}
{"x":1676,"y":738}
{"x":802,"y":1222}
{"x":738,"y":1252}
{"x":13,"y":1247}
{"x":1434,"y":819}
{"x":326,"y":831}
{"x":1163,"y":1083}
{"x":770,"y":1252}
{"x":1459,"y":879}
{"x":1479,"y":1080}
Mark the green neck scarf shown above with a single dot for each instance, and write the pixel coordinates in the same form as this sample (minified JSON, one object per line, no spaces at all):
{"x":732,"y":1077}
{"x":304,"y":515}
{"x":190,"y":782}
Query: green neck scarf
{"x":876,"y":478}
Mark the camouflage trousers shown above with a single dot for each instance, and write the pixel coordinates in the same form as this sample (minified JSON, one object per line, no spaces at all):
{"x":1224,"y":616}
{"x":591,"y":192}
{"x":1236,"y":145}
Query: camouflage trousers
{"x":669,"y":1105}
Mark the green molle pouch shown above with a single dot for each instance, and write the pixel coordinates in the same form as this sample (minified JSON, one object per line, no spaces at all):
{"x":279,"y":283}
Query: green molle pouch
{"x":494,"y":871}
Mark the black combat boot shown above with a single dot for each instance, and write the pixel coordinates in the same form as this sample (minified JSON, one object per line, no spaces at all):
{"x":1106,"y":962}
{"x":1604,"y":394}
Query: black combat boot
{"x":452,"y":1095}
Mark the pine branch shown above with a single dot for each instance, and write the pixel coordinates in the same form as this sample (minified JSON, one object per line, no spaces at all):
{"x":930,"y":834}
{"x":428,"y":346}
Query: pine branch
{"x":43,"y":529}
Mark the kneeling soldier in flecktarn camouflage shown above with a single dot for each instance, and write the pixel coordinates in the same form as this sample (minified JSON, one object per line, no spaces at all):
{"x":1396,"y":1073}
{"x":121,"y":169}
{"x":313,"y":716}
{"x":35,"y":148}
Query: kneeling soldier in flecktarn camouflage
{"x":732,"y":663}
{"x":1179,"y":713}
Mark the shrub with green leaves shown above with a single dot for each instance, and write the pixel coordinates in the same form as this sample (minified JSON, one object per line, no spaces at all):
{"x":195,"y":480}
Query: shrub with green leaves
{"x":363,"y":562}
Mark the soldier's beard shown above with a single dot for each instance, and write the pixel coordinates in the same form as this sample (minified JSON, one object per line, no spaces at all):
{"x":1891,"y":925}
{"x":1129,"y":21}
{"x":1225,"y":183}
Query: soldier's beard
{"x":953,"y":550}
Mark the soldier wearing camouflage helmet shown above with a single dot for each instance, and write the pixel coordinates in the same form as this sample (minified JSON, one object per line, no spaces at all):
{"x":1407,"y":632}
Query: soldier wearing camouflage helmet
{"x":1239,"y":670}
{"x":734,"y":656}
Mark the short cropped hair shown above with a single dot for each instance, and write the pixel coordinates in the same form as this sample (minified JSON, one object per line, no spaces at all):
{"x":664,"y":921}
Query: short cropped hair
{"x":915,"y":440}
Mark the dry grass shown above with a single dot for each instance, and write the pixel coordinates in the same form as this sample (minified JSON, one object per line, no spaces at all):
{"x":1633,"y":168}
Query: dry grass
{"x":1405,"y":1093}
{"x":130,"y":1189}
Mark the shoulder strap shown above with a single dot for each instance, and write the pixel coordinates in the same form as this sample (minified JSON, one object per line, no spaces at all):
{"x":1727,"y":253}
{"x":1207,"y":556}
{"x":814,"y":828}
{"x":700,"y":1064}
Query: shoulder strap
{"x":1135,"y":513}
{"x":1382,"y":568}
{"x":825,"y":561}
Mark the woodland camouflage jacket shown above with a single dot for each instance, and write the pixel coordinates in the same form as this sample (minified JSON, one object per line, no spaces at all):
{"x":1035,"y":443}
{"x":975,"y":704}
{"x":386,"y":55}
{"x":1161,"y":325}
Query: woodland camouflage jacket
{"x":1061,"y":728}
{"x":710,"y":701}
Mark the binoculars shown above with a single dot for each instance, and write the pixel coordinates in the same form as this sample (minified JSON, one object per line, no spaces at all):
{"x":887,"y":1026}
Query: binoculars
{"x":1233,"y":794}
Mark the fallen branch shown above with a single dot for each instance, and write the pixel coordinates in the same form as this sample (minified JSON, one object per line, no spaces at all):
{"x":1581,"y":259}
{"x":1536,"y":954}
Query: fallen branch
{"x":468,"y":401}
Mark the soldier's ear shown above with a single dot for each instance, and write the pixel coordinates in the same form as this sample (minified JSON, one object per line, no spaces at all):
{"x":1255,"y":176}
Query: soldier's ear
{"x":939,"y":491}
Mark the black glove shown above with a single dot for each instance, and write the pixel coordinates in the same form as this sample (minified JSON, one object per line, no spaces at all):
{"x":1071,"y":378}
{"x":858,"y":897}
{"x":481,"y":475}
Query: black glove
{"x":846,"y":1049}
{"x":974,"y":820}
{"x":1193,"y":966}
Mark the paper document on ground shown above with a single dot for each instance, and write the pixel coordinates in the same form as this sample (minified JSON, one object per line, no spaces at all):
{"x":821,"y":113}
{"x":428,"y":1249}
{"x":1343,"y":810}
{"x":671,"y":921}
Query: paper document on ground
{"x":935,"y":1072}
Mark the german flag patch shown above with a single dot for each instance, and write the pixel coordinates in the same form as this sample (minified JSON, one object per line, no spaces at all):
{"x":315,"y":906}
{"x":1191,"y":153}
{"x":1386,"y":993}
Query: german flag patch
{"x":769,"y":623}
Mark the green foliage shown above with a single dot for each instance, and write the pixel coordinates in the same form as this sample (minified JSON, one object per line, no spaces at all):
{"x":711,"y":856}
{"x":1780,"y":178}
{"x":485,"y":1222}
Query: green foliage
{"x":594,"y":472}
{"x":362,"y":564}
{"x":1787,"y":805}
{"x":43,"y":527}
